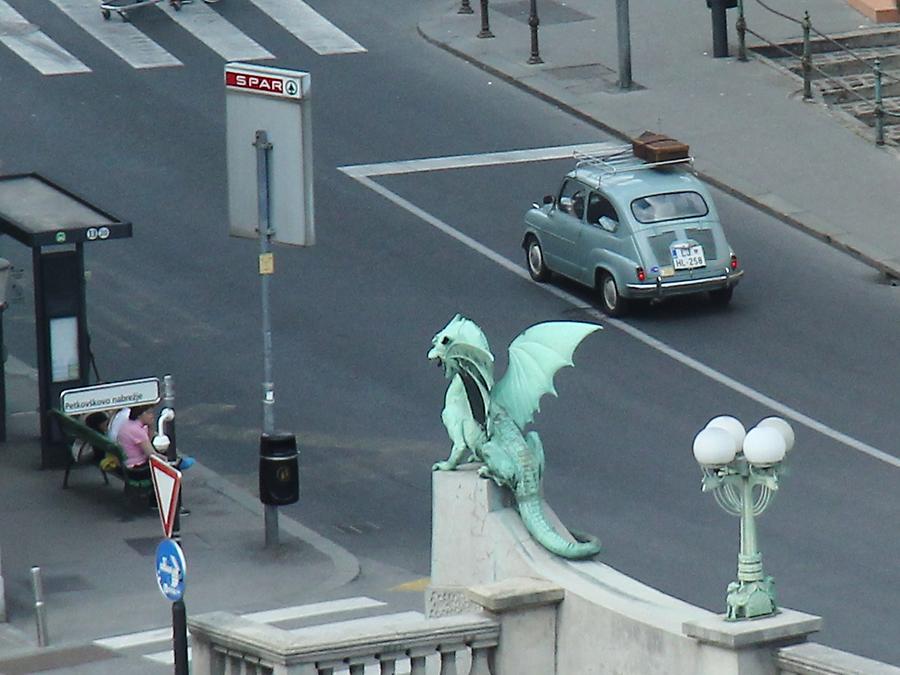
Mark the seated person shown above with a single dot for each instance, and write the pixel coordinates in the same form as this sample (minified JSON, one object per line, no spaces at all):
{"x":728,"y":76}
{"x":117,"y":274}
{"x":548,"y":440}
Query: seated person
{"x":134,"y":438}
{"x":121,"y":416}
{"x":84,"y":452}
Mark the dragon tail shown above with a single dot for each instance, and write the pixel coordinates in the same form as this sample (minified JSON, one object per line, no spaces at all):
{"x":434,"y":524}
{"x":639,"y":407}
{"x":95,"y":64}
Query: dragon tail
{"x":531,"y":509}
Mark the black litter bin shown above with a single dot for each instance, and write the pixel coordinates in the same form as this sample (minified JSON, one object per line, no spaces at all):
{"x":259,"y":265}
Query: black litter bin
{"x":279,"y":480}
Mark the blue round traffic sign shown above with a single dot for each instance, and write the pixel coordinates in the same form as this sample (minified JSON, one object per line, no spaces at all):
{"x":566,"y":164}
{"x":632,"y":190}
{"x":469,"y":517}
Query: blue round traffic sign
{"x":171,"y":568}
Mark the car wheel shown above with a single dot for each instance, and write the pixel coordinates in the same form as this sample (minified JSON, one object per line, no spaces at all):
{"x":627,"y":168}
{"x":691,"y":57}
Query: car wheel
{"x":534,"y":259}
{"x":722,"y":296}
{"x":613,"y":303}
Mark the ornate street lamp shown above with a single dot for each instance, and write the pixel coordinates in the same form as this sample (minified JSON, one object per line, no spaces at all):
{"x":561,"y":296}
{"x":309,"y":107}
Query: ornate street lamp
{"x":741,"y":469}
{"x":5,"y":271}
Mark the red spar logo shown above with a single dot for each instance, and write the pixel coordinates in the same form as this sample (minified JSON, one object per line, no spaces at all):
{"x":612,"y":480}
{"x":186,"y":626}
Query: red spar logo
{"x":260,"y":83}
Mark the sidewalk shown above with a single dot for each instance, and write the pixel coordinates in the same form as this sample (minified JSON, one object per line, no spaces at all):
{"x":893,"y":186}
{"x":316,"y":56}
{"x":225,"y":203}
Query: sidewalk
{"x":96,"y":556}
{"x":750,"y":131}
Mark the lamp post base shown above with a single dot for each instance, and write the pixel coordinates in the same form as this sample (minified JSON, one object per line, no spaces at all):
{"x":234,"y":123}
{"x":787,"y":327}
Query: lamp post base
{"x":750,"y":599}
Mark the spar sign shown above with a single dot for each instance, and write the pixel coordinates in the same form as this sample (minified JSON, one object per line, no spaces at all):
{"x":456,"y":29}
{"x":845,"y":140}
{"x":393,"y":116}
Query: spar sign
{"x":264,"y":80}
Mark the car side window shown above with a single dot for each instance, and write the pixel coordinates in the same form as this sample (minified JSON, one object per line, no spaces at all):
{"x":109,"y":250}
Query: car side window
{"x":601,"y":212}
{"x":571,"y":198}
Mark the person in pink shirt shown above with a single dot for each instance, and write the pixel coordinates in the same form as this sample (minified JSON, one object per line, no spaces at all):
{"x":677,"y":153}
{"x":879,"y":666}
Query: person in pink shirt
{"x":134,"y":439}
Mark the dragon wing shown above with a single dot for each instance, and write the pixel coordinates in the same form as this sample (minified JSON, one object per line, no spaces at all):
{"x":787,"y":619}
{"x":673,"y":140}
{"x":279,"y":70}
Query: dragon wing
{"x":534,"y":358}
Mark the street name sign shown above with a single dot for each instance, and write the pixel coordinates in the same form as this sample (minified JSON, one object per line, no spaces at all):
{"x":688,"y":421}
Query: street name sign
{"x":109,"y":396}
{"x":276,"y":101}
{"x":171,"y":570}
{"x":166,"y":485}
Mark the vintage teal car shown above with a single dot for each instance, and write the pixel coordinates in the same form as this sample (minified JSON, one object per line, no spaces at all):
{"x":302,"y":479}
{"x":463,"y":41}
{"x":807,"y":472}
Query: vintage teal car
{"x":632,"y":230}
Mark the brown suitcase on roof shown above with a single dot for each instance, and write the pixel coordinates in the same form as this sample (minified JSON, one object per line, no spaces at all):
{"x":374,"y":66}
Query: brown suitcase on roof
{"x":653,"y":147}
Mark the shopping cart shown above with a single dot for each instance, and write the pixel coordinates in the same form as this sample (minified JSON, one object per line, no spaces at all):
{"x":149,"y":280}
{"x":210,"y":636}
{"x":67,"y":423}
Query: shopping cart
{"x":123,"y":7}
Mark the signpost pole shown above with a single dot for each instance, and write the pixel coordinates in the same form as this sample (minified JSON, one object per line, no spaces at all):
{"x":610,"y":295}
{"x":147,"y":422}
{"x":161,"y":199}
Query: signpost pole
{"x":168,"y":401}
{"x":179,"y":637}
{"x":266,"y":268}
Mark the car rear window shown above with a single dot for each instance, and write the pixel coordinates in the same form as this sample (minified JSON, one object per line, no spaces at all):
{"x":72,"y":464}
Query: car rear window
{"x":668,"y":206}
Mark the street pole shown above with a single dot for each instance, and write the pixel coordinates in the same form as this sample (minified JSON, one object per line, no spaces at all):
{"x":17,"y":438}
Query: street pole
{"x":168,"y":401}
{"x":623,"y":29}
{"x":179,"y":637}
{"x":266,"y":269}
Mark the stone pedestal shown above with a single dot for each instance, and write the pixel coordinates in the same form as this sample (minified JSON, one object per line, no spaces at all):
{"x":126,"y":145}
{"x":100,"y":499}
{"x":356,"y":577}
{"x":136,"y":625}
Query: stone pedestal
{"x":526,"y":609}
{"x":748,"y":647}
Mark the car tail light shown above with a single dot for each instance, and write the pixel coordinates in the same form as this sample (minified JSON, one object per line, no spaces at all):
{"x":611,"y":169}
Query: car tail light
{"x":734,"y":261}
{"x":639,"y":271}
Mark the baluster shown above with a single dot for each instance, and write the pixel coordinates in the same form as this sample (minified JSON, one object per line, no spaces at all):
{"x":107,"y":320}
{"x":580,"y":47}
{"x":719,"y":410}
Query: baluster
{"x":357,"y":669}
{"x":448,"y":660}
{"x":417,"y":660}
{"x":389,"y":662}
{"x":481,"y":659}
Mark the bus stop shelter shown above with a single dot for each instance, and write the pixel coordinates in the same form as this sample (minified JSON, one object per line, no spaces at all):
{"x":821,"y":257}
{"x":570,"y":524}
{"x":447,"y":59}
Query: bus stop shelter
{"x":55,"y":224}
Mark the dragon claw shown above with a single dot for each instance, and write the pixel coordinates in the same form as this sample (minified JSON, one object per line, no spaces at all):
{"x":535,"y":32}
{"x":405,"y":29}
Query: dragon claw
{"x":443,"y":466}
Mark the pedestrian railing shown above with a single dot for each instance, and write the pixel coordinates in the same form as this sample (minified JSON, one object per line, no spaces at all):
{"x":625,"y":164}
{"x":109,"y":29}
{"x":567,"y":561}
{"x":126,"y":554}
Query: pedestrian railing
{"x":872,"y":77}
{"x":224,"y":643}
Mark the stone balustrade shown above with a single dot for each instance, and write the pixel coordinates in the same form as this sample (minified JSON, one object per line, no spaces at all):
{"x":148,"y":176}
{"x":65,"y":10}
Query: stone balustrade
{"x":224,"y":643}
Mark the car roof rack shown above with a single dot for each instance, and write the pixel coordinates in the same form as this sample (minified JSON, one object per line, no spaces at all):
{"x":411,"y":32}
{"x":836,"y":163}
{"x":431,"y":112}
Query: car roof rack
{"x":617,"y":160}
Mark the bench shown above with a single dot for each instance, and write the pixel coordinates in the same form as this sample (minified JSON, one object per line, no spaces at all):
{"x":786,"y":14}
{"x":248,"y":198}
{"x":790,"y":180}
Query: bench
{"x":76,"y":431}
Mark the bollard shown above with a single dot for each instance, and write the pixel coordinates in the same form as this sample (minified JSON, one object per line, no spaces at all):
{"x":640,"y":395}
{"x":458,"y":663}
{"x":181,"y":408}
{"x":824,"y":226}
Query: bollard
{"x":741,"y":32}
{"x":623,"y":32}
{"x":806,"y":60}
{"x":465,"y":8}
{"x":879,"y":107}
{"x":534,"y":21}
{"x":40,"y":611}
{"x":485,"y":21}
{"x":719,"y":26}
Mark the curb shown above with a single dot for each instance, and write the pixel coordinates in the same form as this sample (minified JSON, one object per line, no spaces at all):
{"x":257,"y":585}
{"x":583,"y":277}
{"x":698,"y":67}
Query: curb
{"x":889,"y":269}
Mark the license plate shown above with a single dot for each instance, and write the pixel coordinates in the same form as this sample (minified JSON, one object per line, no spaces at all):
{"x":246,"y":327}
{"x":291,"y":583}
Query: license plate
{"x":688,"y":257}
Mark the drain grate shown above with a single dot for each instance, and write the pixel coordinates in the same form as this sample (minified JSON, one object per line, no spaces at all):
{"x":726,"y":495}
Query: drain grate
{"x":550,"y":13}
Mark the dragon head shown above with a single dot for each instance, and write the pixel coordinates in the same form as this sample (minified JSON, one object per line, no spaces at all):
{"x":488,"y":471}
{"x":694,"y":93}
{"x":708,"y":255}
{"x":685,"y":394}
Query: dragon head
{"x":461,"y":345}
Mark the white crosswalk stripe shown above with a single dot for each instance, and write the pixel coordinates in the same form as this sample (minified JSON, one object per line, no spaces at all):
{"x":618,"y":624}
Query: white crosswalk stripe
{"x":35,"y":47}
{"x":126,"y":41}
{"x":215,"y":32}
{"x":329,"y":609}
{"x":309,"y":27}
{"x":129,"y":43}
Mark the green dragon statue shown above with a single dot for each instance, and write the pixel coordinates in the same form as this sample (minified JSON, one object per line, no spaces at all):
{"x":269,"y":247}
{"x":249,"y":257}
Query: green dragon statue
{"x":486,"y":422}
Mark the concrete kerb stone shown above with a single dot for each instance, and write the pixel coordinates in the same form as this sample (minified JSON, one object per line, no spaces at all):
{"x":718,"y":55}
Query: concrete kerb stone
{"x":771,"y":204}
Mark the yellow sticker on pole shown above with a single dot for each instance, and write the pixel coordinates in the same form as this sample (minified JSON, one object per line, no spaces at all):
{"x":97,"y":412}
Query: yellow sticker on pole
{"x":267,"y":263}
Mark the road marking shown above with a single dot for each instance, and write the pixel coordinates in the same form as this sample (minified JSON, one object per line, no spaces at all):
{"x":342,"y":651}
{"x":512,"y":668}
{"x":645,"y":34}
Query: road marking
{"x":135,"y":639}
{"x":215,"y":32}
{"x":358,"y":624}
{"x":122,"y":38}
{"x":167,"y":658}
{"x":363,"y":173}
{"x":304,"y":23}
{"x":38,"y":50}
{"x":147,"y":637}
{"x":313,"y":609}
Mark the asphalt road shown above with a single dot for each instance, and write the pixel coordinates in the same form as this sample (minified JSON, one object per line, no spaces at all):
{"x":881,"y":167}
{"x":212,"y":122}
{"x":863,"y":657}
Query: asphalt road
{"x":353,"y":317}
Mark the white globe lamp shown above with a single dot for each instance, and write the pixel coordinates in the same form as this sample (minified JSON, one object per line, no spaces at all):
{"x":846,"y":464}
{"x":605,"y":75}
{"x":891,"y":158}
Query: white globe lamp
{"x":714,"y":446}
{"x":764,"y":446}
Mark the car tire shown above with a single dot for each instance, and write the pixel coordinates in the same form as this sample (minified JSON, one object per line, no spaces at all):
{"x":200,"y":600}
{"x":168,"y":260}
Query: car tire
{"x":721,"y":296}
{"x":534,"y":260}
{"x":612,"y":302}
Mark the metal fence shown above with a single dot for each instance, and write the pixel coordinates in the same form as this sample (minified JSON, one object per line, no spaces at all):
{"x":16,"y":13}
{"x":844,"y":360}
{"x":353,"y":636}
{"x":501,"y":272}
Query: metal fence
{"x":808,"y":67}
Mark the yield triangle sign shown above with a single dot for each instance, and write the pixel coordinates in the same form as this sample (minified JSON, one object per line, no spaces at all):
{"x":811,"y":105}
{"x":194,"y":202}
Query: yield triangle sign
{"x":167,"y":485}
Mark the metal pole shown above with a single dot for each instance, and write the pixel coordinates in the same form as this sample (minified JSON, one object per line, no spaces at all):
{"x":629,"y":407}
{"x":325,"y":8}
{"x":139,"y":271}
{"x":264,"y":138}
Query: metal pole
{"x":485,"y":21}
{"x":719,"y":28}
{"x":168,"y":401}
{"x":534,"y":21}
{"x":179,"y":637}
{"x":623,"y":30}
{"x":266,"y":267}
{"x":806,"y":60}
{"x":2,"y":378}
{"x":40,"y":611}
{"x":741,"y":32}
{"x":879,"y":108}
